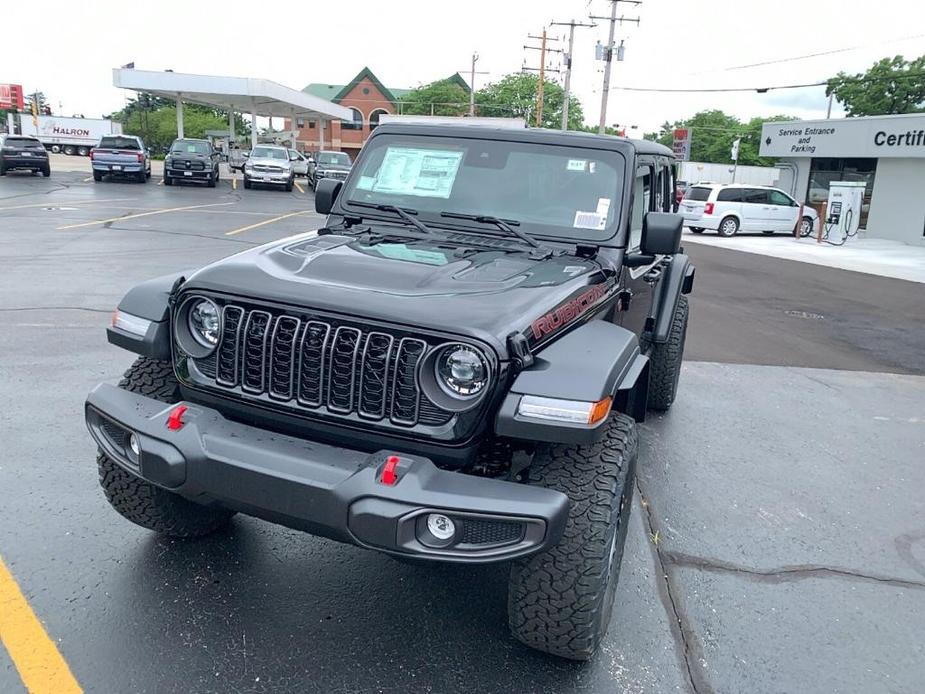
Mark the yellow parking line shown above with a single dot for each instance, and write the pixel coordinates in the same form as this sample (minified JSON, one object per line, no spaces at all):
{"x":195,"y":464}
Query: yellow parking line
{"x":160,"y":182}
{"x":38,"y":660}
{"x":141,"y":214}
{"x":266,"y":221}
{"x":296,"y":183}
{"x":86,"y":180}
{"x":234,"y":183}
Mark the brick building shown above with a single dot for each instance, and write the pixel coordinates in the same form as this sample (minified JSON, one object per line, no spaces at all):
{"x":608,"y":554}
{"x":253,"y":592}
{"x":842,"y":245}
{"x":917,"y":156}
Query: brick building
{"x":366,"y":97}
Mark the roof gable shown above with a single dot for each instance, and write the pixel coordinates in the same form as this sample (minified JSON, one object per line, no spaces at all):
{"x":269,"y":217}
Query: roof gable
{"x":365,"y":73}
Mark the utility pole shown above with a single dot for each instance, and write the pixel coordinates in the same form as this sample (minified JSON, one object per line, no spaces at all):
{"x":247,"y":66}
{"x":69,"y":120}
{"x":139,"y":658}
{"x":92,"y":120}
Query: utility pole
{"x":608,"y":54}
{"x":542,"y":70}
{"x":568,"y":65}
{"x":472,"y":74}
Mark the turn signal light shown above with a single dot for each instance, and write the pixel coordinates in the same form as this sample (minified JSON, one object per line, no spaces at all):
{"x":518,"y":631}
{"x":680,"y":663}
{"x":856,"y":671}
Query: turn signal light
{"x":599,"y":410}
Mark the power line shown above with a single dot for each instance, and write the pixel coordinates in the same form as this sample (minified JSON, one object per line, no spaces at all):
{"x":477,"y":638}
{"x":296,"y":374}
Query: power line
{"x":762,"y":90}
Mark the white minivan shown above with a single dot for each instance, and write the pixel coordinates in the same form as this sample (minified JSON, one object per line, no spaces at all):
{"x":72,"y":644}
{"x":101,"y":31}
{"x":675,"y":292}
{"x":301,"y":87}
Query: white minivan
{"x":728,"y":208}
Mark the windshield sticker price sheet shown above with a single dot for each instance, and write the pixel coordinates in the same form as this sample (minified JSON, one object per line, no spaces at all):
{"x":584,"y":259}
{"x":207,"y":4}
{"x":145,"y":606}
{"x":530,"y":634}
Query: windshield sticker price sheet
{"x":428,"y":173}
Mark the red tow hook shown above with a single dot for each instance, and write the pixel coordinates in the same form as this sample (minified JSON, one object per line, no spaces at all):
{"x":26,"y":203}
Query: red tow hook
{"x":175,"y":418}
{"x":389,"y":470}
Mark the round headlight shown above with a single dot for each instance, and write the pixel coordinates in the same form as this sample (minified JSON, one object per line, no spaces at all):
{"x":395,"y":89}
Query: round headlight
{"x":204,"y":322}
{"x":461,"y":371}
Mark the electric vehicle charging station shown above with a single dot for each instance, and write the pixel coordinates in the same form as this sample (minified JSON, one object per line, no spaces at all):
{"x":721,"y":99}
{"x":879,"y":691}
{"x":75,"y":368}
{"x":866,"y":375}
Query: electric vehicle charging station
{"x":843,"y":210}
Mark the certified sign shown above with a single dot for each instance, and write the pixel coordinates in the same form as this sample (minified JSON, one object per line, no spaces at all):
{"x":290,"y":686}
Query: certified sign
{"x":886,"y":136}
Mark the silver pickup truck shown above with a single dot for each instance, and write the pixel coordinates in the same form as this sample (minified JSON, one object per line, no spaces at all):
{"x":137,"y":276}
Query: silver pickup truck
{"x":121,"y":155}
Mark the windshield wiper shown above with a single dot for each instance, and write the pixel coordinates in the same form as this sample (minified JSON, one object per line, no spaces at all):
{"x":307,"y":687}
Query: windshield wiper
{"x":503,"y":225}
{"x":403,"y":212}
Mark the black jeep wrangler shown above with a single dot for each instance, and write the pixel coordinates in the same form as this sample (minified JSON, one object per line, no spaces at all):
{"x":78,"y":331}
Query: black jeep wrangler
{"x":451,"y":369}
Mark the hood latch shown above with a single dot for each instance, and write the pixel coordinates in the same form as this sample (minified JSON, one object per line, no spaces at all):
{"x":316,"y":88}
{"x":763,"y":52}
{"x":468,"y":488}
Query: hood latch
{"x":520,"y":351}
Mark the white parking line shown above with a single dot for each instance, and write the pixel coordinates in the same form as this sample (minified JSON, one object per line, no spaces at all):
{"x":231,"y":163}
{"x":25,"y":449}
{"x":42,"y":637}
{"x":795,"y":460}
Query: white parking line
{"x":141,"y":214}
{"x":64,"y":202}
{"x":266,"y":221}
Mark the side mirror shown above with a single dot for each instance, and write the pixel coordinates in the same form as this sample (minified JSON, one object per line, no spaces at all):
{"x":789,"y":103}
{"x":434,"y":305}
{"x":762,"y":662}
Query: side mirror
{"x":661,"y":233}
{"x":325,"y":194}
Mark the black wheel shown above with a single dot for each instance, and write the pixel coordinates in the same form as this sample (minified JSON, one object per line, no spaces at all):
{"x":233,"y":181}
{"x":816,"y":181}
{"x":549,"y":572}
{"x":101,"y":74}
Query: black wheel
{"x":142,"y":178}
{"x":2,"y":170}
{"x":168,"y":181}
{"x":247,"y":182}
{"x":665,"y":360}
{"x":697,"y":230}
{"x":728,"y":227}
{"x":289,"y":186}
{"x":211,"y":183}
{"x":46,"y":172}
{"x":141,"y":502}
{"x":560,"y":601}
{"x":148,"y":173}
{"x":97,"y":177}
{"x":769,"y":232}
{"x":806,"y":227}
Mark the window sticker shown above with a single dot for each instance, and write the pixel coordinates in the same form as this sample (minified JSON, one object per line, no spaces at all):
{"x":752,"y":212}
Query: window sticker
{"x":426,"y":173}
{"x":576,"y":165}
{"x":589,"y":220}
{"x":603,"y":206}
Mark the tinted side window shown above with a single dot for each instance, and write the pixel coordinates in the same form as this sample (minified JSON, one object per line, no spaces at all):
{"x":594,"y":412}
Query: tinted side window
{"x":755,"y":196}
{"x":698,"y":193}
{"x":642,"y":199}
{"x":778,"y":198}
{"x":729,"y":195}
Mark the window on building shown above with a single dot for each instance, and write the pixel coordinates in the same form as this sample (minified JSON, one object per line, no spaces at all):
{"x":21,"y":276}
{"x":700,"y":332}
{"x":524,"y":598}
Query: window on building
{"x":300,"y":123}
{"x":356,"y":123}
{"x":311,"y":124}
{"x":374,"y":117}
{"x":824,"y":170}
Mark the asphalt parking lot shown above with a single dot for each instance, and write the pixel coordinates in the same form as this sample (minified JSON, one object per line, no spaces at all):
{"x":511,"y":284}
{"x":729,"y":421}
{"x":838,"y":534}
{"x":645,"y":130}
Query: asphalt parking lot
{"x":777,"y":543}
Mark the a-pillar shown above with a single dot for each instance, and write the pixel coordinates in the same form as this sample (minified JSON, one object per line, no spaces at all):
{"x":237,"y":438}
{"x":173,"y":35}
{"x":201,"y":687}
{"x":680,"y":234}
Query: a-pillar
{"x":179,"y":116}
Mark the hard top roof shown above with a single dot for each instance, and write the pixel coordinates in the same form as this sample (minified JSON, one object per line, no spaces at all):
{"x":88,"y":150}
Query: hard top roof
{"x":538,"y":135}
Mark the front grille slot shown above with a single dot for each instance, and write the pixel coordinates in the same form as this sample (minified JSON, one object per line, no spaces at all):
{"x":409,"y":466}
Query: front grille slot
{"x":405,"y":393}
{"x":282,"y":357}
{"x":329,"y":367}
{"x":253,"y":359}
{"x":342,"y":360}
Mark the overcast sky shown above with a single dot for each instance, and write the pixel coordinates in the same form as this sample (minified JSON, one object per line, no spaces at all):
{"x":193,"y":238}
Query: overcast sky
{"x":411,"y":42}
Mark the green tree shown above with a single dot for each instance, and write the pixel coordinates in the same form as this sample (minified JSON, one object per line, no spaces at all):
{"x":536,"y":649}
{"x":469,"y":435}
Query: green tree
{"x":440,"y":98}
{"x":158,"y":128}
{"x":891,"y":85}
{"x":514,"y":96}
{"x":712,"y":135}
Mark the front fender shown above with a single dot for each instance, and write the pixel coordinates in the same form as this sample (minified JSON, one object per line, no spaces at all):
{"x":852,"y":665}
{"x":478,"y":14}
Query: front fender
{"x":596,"y":360}
{"x":677,"y":279}
{"x":151,"y":301}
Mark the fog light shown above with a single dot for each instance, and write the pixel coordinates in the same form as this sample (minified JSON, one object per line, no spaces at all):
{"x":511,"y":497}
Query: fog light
{"x":440,"y":526}
{"x":134,"y":445}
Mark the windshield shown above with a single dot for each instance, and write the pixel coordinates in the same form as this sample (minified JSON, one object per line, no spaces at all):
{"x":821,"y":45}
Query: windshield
{"x":119,"y":143}
{"x":269,"y":153}
{"x":332,"y":158}
{"x":189,"y":147}
{"x":549,"y":190}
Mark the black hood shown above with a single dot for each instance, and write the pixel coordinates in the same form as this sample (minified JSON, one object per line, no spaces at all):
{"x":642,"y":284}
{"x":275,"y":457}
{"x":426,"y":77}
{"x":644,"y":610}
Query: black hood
{"x":457,"y":289}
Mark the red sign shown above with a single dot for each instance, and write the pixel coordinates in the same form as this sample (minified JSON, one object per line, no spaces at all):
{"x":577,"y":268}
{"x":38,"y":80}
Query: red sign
{"x":11,"y":96}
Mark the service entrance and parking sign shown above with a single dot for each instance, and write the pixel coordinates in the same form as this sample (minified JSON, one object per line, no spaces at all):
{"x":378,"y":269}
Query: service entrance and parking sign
{"x":682,"y":144}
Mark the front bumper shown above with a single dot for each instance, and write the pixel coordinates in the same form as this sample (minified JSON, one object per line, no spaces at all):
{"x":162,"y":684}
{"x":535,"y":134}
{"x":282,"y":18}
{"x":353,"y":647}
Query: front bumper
{"x":325,"y":490}
{"x":268,"y":177}
{"x":189,"y":174}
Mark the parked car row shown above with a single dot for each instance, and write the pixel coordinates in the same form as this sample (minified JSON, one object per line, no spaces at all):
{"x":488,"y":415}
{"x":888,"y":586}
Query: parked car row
{"x":729,"y":208}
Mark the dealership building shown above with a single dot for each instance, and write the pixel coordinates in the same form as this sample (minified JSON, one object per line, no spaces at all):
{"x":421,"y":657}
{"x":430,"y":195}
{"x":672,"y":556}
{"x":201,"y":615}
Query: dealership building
{"x":886,"y":153}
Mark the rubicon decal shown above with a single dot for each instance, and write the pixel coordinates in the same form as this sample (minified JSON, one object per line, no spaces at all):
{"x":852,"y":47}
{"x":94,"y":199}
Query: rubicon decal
{"x":569,"y":311}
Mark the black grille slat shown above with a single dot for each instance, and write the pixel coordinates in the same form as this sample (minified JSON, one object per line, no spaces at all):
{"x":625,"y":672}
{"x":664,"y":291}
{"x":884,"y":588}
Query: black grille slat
{"x":374,"y":374}
{"x":283,"y":357}
{"x":226,"y":367}
{"x":254,"y":351}
{"x":311,"y":363}
{"x":486,"y":532}
{"x":405,"y":392}
{"x":342,"y":358}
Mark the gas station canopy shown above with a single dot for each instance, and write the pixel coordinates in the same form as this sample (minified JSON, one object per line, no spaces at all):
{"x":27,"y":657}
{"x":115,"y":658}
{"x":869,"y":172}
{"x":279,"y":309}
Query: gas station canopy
{"x":259,"y":97}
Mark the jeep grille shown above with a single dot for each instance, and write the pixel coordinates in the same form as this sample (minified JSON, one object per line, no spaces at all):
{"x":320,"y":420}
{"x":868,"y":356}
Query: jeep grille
{"x":326,"y":366}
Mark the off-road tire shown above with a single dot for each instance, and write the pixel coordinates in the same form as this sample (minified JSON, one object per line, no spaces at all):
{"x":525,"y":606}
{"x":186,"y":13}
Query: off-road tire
{"x":728,"y":226}
{"x":141,"y":502}
{"x":665,"y":360}
{"x":560,"y":601}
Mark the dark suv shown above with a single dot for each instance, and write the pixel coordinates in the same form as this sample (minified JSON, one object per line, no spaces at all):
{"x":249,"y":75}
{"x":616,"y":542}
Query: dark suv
{"x":190,"y":159}
{"x":23,"y":152}
{"x":451,"y":369}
